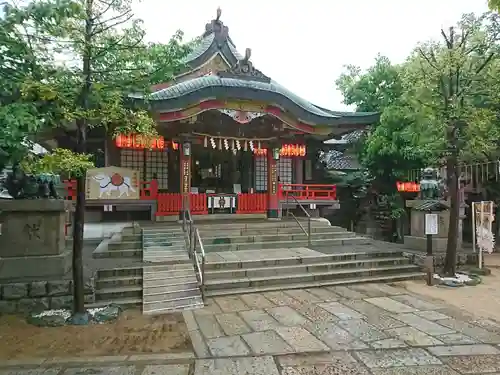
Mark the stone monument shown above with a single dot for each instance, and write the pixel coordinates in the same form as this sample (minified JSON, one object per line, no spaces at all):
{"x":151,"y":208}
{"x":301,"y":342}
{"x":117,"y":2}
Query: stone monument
{"x":431,"y":200}
{"x":33,"y":239}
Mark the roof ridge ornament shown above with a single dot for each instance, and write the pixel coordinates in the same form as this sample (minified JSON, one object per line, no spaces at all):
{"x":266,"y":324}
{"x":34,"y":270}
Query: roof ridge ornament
{"x":216,"y":27}
{"x":244,"y":69}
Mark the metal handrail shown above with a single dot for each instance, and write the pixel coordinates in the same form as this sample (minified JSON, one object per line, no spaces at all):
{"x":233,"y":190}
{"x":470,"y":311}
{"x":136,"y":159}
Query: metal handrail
{"x":308,"y":232}
{"x":194,"y":239}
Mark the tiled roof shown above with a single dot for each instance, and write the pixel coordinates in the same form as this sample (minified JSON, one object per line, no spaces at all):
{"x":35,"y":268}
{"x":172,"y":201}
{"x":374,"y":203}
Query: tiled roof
{"x":337,"y":160}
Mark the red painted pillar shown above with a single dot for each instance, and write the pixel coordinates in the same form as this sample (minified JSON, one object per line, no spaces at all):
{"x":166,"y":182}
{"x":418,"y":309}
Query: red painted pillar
{"x":185,"y":171}
{"x":272,"y":187}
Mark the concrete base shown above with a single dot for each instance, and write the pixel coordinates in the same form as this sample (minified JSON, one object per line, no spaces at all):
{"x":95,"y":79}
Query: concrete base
{"x":420,"y":243}
{"x":34,"y":267}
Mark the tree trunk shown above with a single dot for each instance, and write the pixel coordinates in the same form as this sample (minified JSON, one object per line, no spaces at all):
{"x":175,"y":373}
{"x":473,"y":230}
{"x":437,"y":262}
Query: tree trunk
{"x":81,"y":124}
{"x":450,"y":262}
{"x":78,"y":284}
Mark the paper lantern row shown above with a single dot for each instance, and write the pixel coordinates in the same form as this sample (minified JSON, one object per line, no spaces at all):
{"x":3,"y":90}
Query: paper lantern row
{"x":138,"y":141}
{"x":408,"y":187}
{"x":286,"y":150}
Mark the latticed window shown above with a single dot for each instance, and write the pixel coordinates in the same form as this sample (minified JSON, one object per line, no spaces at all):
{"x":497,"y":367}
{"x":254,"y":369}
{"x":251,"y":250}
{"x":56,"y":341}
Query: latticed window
{"x":285,"y":170}
{"x":155,"y":162}
{"x":157,"y":165}
{"x":260,"y":173}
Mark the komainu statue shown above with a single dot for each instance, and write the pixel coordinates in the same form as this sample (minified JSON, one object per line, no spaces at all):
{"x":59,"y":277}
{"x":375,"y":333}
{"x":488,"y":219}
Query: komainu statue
{"x":430,"y":186}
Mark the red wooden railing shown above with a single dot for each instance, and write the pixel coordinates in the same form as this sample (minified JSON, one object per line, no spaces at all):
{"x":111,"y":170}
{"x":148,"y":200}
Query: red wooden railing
{"x":171,"y":204}
{"x":254,"y":203}
{"x":308,"y":191}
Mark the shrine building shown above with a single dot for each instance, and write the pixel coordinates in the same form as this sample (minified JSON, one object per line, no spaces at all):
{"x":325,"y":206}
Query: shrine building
{"x":231,"y":140}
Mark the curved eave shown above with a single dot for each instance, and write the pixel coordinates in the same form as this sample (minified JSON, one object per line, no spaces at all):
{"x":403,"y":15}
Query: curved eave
{"x":198,"y":90}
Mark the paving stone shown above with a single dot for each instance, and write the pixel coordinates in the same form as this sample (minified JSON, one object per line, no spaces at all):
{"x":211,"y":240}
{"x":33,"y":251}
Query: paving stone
{"x":474,"y":364}
{"x":166,"y":370}
{"x":231,"y":304}
{"x":189,"y":320}
{"x":415,"y":302}
{"x":383,"y":322}
{"x":209,"y":326}
{"x":388,"y":344}
{"x":390,"y":290}
{"x":326,"y":369}
{"x":345,"y":292}
{"x":340,"y":310}
{"x":210,"y":308}
{"x":390,"y":304}
{"x":362,"y":330}
{"x":324,"y":294}
{"x":256,"y":301}
{"x":264,"y":365}
{"x":487,"y":324}
{"x":431,"y":315}
{"x":335,"y":337}
{"x":267,"y":342}
{"x":39,"y":371}
{"x":316,"y":314}
{"x":227,"y":346}
{"x":259,"y":320}
{"x":301,"y":359}
{"x":199,"y":345}
{"x":426,"y":326}
{"x":413,"y":337}
{"x":478,"y":349}
{"x":416,"y":370}
{"x":232,"y":324}
{"x":364,"y":307}
{"x":456,"y":339}
{"x":281,"y":299}
{"x":471,"y":330}
{"x":303,"y":296}
{"x":287,"y":316}
{"x":369,"y":289}
{"x":300,"y":339}
{"x":119,"y":370}
{"x":397,"y":358}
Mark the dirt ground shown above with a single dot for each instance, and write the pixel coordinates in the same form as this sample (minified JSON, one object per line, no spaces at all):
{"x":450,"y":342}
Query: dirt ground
{"x":482,"y":301}
{"x":132,"y":333}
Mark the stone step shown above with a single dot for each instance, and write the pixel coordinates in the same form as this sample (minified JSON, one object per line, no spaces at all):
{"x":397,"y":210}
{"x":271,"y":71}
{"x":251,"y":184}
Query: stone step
{"x":130,"y":253}
{"x":118,"y":281}
{"x":165,"y":248}
{"x":315,"y":284}
{"x":304,"y":259}
{"x":259,"y":225}
{"x":302,"y":268}
{"x":166,"y":259}
{"x":125,"y":245}
{"x":290,"y":244}
{"x":158,"y":294}
{"x":166,"y":278}
{"x":163,"y":243}
{"x":119,"y":271}
{"x":221,"y":238}
{"x":124,"y":303}
{"x":167,"y":306}
{"x":105,"y":294}
{"x":167,"y":267}
{"x":268,"y":231}
{"x":306,"y":277}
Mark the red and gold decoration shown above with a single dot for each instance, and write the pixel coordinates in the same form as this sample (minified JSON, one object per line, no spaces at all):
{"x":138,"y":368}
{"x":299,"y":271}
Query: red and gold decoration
{"x":139,"y":141}
{"x":286,"y":150}
{"x":408,"y":187}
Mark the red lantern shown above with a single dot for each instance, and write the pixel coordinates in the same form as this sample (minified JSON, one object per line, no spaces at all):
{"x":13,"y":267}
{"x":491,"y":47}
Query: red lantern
{"x":160,"y":143}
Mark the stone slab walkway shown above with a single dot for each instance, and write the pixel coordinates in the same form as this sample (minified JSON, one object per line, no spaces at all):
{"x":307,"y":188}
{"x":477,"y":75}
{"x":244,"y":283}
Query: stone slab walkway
{"x":369,"y":329}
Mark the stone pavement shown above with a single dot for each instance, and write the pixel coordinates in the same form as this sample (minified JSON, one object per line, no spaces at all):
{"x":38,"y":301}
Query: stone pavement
{"x":369,"y":329}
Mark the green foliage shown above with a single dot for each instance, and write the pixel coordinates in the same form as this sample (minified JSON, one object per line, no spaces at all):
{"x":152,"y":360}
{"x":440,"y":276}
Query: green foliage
{"x":494,"y":5}
{"x":60,"y":161}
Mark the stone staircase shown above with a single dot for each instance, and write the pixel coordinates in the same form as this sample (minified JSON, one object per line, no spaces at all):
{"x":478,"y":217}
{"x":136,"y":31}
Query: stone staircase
{"x":259,"y":275}
{"x":345,"y":258}
{"x":279,"y":234}
{"x":169,"y":279}
{"x":121,"y":286}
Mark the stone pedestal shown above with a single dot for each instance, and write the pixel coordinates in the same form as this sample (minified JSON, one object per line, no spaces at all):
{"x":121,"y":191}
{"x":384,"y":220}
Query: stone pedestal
{"x":32,"y":242}
{"x":417,"y":239}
